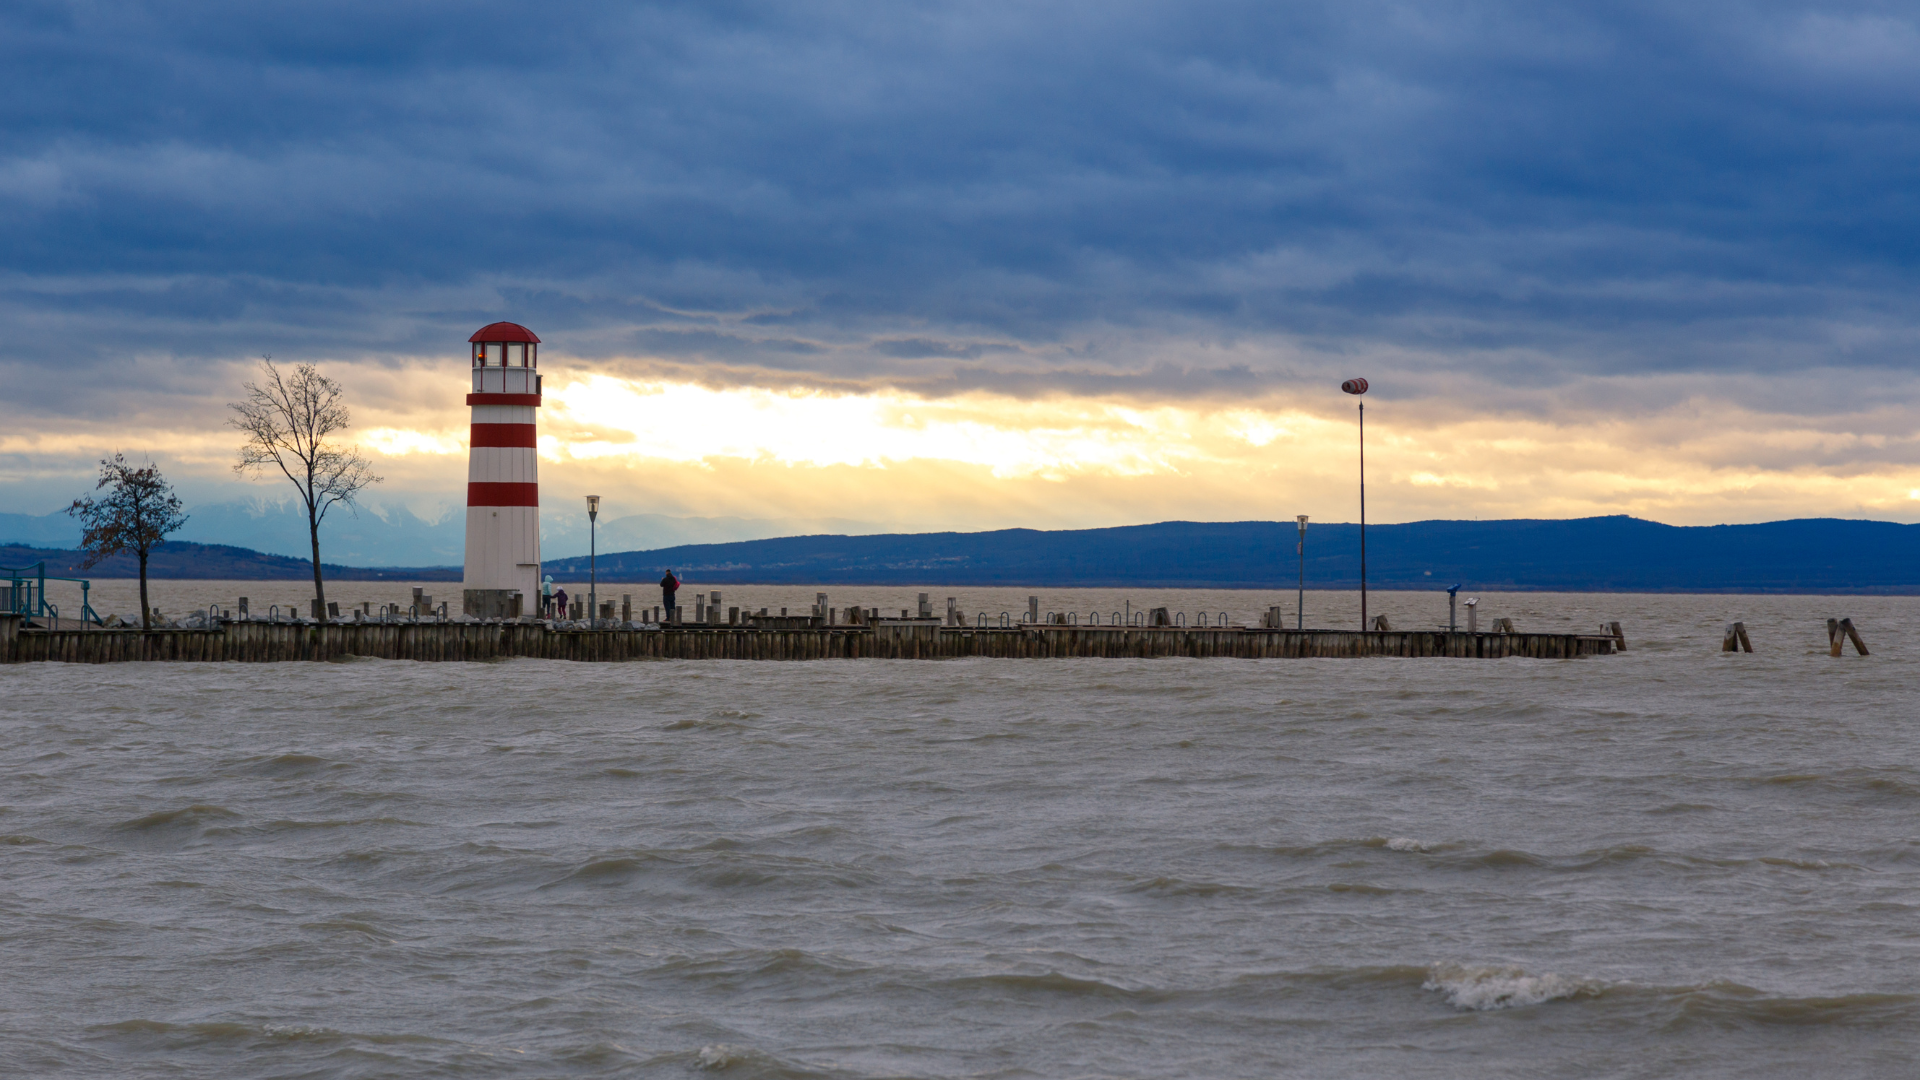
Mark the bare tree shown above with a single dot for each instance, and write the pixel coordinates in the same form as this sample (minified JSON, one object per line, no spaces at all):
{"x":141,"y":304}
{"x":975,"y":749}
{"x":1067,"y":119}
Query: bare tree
{"x":290,"y":421}
{"x":137,"y":512}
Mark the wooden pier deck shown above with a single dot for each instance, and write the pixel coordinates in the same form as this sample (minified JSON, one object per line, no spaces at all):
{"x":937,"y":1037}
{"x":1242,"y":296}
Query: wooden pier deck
{"x":265,"y":642}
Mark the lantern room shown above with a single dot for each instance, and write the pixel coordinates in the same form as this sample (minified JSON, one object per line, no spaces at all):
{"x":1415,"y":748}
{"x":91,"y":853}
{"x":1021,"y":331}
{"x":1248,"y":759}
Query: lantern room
{"x":505,"y":356}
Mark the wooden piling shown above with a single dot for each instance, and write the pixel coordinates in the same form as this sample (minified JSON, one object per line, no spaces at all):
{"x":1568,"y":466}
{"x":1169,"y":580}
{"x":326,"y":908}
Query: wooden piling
{"x":1846,"y":628}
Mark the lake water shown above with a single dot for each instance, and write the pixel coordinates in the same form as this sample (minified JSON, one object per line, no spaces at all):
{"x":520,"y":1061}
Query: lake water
{"x":1672,"y":862}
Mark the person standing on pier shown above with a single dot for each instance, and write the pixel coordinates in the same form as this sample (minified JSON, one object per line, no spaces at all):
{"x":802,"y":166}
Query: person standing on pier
{"x":546,"y":596}
{"x":668,"y":586}
{"x":560,"y":604}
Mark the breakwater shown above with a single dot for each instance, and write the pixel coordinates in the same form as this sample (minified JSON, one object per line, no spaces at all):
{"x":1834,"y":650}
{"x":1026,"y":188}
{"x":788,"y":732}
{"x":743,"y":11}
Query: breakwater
{"x":267,"y":642}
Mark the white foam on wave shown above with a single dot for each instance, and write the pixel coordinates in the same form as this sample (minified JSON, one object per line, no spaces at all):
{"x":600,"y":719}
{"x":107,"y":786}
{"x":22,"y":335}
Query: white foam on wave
{"x":719,"y":1056}
{"x":1405,"y":843}
{"x":1482,"y":989}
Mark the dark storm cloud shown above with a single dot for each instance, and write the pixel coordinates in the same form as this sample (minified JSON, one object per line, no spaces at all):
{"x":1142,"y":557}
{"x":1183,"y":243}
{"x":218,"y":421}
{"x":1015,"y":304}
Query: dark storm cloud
{"x":880,"y":189}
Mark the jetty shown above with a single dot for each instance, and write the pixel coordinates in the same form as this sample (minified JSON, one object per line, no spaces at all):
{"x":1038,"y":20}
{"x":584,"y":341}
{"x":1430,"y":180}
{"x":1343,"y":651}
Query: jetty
{"x":263,"y":641}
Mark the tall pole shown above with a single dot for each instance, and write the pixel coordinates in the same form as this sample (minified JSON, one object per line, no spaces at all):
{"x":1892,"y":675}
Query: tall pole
{"x":1357,"y":387}
{"x":1300,"y":617}
{"x":593,"y":561}
{"x":1363,"y":515}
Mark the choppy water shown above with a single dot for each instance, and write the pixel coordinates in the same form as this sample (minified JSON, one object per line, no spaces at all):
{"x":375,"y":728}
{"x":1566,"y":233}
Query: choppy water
{"x":1667,"y":863}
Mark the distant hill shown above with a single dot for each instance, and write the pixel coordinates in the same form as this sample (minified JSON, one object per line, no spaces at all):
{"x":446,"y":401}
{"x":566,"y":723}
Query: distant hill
{"x":182,"y":559}
{"x":392,"y":534}
{"x":1598,"y":554}
{"x":1603,"y":554}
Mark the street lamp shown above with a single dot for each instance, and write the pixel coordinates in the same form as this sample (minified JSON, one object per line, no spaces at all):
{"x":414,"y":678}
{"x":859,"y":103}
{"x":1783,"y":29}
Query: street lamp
{"x":593,"y":569}
{"x":1300,"y":617}
{"x":1358,"y":387}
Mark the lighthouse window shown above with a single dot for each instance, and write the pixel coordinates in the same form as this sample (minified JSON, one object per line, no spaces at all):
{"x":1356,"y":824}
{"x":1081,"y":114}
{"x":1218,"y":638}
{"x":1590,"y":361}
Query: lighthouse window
{"x":493,"y":354}
{"x":516,"y":355}
{"x":533,"y":355}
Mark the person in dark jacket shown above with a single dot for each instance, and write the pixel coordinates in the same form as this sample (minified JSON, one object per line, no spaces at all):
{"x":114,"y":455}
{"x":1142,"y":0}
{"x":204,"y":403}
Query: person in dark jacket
{"x":560,"y":603}
{"x":668,"y":586}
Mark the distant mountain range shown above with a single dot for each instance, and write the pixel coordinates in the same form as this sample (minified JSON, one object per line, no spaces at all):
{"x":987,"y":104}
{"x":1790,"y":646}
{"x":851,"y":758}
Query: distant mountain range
{"x":393,"y":535}
{"x":1603,"y":554}
{"x":213,"y":562}
{"x":1598,"y":554}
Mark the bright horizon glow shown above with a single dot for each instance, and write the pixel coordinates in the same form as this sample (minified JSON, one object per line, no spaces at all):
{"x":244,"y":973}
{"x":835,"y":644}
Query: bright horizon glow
{"x":1048,"y":439}
{"x":987,"y":460}
{"x":897,"y":460}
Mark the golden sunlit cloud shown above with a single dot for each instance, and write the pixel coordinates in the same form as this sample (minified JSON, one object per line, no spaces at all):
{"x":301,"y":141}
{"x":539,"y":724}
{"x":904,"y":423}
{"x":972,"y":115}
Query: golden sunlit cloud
{"x":896,"y":459}
{"x":601,"y":416}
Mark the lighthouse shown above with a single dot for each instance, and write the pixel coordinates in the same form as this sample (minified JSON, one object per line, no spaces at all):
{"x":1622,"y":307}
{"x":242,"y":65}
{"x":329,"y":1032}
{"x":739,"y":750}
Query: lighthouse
{"x":502,"y":576}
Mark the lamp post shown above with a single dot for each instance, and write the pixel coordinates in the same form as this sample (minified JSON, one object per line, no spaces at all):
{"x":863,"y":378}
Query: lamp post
{"x":1300,"y":549}
{"x":593,"y":556}
{"x":1452,"y":594}
{"x":1358,"y":387}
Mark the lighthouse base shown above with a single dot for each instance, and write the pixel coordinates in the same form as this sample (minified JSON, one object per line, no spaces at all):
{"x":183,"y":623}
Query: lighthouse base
{"x":491,"y":603}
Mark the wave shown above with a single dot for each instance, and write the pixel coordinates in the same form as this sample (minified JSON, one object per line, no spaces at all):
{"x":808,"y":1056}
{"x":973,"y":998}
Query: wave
{"x":717,"y":1057}
{"x":1055,"y":983}
{"x":720,"y":1055}
{"x":608,"y":871}
{"x":1891,"y":783}
{"x":1723,"y":1004}
{"x":1483,"y":989}
{"x":291,"y":763}
{"x":1463,"y":857}
{"x":197,"y":814}
{"x":1344,"y":846}
{"x":1173,"y":886}
{"x":289,"y":825}
{"x":704,"y":725}
{"x":261,"y":1034}
{"x":1717,"y":1004}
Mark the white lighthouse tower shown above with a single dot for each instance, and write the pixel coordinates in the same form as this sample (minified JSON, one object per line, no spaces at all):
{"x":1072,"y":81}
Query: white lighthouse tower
{"x":503,"y":482}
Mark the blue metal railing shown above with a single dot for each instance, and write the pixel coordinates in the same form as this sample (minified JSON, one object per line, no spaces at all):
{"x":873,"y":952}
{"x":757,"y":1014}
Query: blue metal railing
{"x":23,"y":591}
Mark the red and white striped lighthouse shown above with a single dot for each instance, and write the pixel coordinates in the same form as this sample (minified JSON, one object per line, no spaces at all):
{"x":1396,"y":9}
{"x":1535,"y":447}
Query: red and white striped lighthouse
{"x":503,"y":481}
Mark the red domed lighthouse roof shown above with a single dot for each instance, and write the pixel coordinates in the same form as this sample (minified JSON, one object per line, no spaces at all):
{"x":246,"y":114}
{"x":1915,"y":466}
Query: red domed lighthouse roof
{"x":504,"y":331}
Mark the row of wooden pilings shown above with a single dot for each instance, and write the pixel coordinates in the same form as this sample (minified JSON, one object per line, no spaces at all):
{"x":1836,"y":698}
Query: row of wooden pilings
{"x":1839,"y":633}
{"x":261,"y":642}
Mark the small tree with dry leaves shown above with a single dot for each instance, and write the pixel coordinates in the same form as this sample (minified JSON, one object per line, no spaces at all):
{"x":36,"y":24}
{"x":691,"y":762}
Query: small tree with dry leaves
{"x":137,"y":512}
{"x":291,"y":420}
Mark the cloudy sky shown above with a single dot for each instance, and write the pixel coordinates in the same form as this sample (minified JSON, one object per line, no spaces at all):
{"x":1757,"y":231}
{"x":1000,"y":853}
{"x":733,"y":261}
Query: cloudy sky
{"x":974,"y":265}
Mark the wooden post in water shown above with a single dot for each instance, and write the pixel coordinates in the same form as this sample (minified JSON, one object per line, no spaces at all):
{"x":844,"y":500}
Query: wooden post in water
{"x":1736,"y":638}
{"x":1619,"y":636}
{"x":1853,"y":636}
{"x":1834,"y":639}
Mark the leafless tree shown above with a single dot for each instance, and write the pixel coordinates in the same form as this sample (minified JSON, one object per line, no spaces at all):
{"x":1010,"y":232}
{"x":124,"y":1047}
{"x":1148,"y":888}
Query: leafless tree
{"x":290,"y":421}
{"x":137,"y":512}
